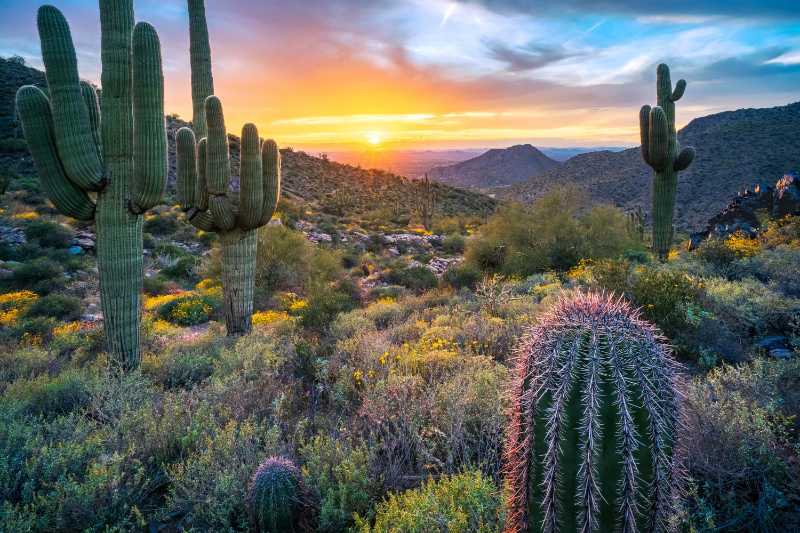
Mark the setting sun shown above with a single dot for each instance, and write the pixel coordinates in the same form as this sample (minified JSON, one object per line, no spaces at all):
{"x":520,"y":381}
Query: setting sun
{"x":374,"y":138}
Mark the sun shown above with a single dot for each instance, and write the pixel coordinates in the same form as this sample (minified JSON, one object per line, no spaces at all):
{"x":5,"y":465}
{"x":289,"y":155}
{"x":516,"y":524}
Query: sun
{"x":375,"y":138}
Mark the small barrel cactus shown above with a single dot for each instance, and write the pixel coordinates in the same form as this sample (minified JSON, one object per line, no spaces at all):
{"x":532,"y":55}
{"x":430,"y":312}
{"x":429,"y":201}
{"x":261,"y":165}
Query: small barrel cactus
{"x":592,"y":431}
{"x":115,"y":149}
{"x":278,"y":500}
{"x":661,"y":150}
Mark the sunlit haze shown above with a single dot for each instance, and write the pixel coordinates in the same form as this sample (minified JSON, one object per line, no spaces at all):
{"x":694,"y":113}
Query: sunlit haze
{"x":348,"y":74}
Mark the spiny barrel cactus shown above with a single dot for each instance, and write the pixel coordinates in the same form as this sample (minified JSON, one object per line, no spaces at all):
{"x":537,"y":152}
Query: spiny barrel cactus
{"x":278,"y":500}
{"x":209,"y":205}
{"x":661,"y":150}
{"x":122,"y":158}
{"x":595,"y":411}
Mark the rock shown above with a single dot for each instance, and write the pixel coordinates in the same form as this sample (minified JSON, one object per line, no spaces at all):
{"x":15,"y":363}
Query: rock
{"x":75,"y":250}
{"x":773,"y":342}
{"x":439,"y":265}
{"x":393,"y":251}
{"x":6,"y":274}
{"x":12,"y":236}
{"x":781,"y":353}
{"x":786,"y":198}
{"x":275,"y":222}
{"x":317,"y":237}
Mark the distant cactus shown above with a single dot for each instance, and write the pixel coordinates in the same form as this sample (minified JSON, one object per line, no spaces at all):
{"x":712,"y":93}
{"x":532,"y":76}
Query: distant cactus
{"x":594,"y":416}
{"x":203,"y":190}
{"x":635,"y":221}
{"x":278,"y":500}
{"x":426,"y":201}
{"x":661,"y":150}
{"x":123,"y":157}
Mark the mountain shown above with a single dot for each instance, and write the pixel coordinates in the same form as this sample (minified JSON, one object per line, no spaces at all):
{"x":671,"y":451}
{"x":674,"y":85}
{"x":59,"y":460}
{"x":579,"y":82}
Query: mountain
{"x":735,"y":150}
{"x":315,"y":180}
{"x":495,"y":168}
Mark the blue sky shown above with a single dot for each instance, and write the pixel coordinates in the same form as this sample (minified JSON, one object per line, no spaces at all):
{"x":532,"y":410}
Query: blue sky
{"x":466,"y":73}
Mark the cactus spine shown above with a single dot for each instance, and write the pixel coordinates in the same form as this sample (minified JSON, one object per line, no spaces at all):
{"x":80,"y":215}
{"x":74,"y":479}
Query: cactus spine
{"x":122,"y":158}
{"x":661,"y":150}
{"x":203,"y":182}
{"x":278,"y":500}
{"x":590,"y":445}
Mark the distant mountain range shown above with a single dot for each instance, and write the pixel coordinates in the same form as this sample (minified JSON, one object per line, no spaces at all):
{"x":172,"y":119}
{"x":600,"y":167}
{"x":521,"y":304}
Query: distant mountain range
{"x":495,"y":168}
{"x":735,"y":150}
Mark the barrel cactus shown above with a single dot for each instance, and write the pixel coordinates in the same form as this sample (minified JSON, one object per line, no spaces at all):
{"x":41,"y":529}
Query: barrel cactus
{"x":121,"y":158}
{"x":278,"y":500}
{"x":591,"y":442}
{"x":203,"y":178}
{"x":661,"y":150}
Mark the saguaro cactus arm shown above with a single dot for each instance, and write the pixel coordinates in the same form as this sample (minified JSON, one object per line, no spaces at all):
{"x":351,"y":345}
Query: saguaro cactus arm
{"x":271,"y":164}
{"x":37,"y":123}
{"x":149,"y":133}
{"x":251,"y":182}
{"x":73,"y":132}
{"x":200,"y":57}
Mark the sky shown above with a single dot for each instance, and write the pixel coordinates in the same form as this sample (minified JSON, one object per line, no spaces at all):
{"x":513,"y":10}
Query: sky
{"x":428,"y":74}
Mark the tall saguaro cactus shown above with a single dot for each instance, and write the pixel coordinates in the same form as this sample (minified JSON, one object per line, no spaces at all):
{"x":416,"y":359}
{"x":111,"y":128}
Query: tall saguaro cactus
{"x":200,"y":58}
{"x":121,"y":156}
{"x":661,"y":150}
{"x":593,"y":422}
{"x":210,"y":206}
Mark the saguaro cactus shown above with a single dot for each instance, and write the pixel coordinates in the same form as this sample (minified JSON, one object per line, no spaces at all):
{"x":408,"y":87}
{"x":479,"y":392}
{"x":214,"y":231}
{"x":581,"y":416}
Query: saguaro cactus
{"x":123,"y":157}
{"x":210,"y":205}
{"x":590,"y":445}
{"x":200,"y":59}
{"x":661,"y":150}
{"x":278,"y":500}
{"x":426,"y":201}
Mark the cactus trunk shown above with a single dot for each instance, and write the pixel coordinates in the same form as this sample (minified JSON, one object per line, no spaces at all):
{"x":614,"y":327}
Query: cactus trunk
{"x":238,"y":278}
{"x":665,"y":185}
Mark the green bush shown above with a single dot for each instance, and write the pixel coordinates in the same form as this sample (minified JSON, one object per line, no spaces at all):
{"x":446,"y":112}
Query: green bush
{"x":325,"y":302}
{"x":51,"y":396}
{"x":183,"y":268}
{"x":454,"y":243}
{"x":161,"y":224}
{"x":188,"y":310}
{"x":40,"y":275}
{"x":743,"y":448}
{"x":551,"y":234}
{"x":417,"y":278}
{"x":340,"y":474}
{"x":59,"y":306}
{"x":463,"y":275}
{"x":185,"y":369}
{"x":463,"y":503}
{"x":48,"y":234}
{"x":667,"y":298}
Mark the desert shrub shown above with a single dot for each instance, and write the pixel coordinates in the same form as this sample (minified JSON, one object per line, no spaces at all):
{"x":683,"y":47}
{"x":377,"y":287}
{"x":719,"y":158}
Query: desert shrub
{"x":160,"y":224}
{"x":27,"y":362}
{"x":549,"y":235}
{"x":189,"y":310}
{"x":460,"y":276}
{"x":776,"y":266}
{"x":283,"y":257}
{"x":385,"y":312}
{"x":58,"y":306}
{"x":339,"y":472}
{"x":41,"y":275}
{"x":454,"y":243}
{"x":208,"y":487}
{"x":779,"y":232}
{"x":714,"y":251}
{"x":155,"y":285}
{"x":417,"y":278}
{"x":51,"y":396}
{"x":325,"y":302}
{"x":186,"y":368}
{"x":181,"y":268}
{"x":351,"y":324}
{"x":742,"y":448}
{"x":751,"y":307}
{"x":461,"y":503}
{"x":48,"y":234}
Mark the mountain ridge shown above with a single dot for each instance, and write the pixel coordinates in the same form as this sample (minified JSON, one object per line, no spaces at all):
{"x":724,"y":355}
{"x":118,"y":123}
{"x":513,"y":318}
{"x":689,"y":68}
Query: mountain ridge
{"x":495,"y":167}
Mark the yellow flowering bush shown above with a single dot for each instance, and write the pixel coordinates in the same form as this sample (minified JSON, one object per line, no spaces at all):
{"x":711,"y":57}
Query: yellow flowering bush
{"x":12,"y":304}
{"x":152,"y":303}
{"x":27,"y":215}
{"x":265,"y":318}
{"x":741,"y":245}
{"x":66,"y":329}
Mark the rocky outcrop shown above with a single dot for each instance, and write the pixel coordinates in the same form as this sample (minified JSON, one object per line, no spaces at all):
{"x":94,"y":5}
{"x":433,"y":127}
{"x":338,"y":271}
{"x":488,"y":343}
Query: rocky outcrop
{"x":745,"y":213}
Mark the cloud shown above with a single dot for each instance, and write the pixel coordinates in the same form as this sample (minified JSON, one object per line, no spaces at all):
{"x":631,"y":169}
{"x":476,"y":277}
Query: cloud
{"x":682,"y":8}
{"x":531,"y":57}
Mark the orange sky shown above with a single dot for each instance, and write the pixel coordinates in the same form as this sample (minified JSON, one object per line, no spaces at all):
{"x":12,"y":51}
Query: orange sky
{"x":344,"y":74}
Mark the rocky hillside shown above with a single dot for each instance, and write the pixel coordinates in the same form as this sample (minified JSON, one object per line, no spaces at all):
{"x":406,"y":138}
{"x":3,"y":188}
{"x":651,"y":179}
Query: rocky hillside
{"x":328,"y":184}
{"x":735,"y":150}
{"x":495,"y":168}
